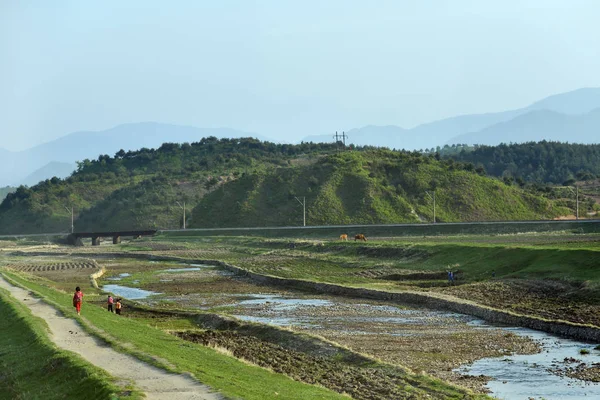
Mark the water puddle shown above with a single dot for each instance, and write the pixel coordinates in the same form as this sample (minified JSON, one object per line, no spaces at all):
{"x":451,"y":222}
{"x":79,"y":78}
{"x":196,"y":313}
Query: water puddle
{"x":118,"y":278}
{"x":180,"y":269}
{"x":128,"y":292}
{"x":529,"y":376}
{"x":338,"y":315}
{"x":278,"y":303}
{"x":278,"y":321}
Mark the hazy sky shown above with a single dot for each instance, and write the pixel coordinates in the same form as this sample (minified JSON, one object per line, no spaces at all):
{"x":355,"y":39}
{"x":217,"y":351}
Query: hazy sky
{"x":285,"y":69}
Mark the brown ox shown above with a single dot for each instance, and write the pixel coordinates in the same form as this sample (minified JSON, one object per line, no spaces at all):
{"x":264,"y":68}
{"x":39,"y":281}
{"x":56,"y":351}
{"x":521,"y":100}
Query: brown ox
{"x":343,"y":236}
{"x":360,"y":236}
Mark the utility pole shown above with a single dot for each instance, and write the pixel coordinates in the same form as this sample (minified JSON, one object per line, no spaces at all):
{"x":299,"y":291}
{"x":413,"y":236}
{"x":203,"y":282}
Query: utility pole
{"x":577,"y":201}
{"x":433,"y":198}
{"x":303,"y":203}
{"x":183,"y":207}
{"x":434,"y":206}
{"x":72,"y":218}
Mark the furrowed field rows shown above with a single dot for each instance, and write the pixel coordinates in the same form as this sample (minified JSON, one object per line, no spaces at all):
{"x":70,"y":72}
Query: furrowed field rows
{"x":59,"y":266}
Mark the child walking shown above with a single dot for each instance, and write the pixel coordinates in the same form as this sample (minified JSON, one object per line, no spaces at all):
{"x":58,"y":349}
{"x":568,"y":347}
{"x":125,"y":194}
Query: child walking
{"x":77,"y":299}
{"x":118,"y":307}
{"x":109,"y":303}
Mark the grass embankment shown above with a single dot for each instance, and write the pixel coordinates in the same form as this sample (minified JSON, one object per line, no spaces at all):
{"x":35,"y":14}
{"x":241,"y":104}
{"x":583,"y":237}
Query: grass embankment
{"x":523,"y":257}
{"x":229,"y":375}
{"x":31,"y":367}
{"x":405,"y":230}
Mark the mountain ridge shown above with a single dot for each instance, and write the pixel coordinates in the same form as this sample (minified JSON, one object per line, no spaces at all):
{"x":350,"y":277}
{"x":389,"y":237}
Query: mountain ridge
{"x":537,"y":125}
{"x":77,"y":146}
{"x":451,"y":130}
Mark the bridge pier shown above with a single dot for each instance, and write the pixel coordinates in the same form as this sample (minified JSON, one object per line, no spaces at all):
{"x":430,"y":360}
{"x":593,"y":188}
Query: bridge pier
{"x":74,"y":240}
{"x":76,"y":237}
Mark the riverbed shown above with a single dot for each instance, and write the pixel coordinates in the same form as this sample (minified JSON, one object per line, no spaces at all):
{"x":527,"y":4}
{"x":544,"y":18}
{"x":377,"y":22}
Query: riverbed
{"x":509,"y":362}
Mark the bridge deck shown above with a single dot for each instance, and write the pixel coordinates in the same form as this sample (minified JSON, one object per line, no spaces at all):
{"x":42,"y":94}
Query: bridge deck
{"x":113,"y":234}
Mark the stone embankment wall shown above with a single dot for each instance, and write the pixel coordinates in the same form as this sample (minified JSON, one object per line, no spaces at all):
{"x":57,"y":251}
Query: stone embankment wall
{"x":96,"y":275}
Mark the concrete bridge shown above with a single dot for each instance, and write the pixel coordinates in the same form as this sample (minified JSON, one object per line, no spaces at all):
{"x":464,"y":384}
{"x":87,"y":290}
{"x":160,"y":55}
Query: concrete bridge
{"x":75,"y":238}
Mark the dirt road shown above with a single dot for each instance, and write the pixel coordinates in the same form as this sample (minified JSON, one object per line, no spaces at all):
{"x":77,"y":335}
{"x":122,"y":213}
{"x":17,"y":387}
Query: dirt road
{"x":67,"y":334}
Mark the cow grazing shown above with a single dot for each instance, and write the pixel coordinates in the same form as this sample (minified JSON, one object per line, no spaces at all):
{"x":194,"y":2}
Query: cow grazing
{"x":360,"y":236}
{"x":343,"y":236}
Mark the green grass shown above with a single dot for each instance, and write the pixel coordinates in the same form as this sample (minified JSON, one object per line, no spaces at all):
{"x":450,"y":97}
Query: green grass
{"x":31,"y":367}
{"x":518,"y":256}
{"x":371,"y":187}
{"x":230,"y":376}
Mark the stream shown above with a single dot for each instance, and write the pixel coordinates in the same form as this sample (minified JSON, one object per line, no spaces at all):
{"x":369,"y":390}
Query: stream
{"x":512,"y":377}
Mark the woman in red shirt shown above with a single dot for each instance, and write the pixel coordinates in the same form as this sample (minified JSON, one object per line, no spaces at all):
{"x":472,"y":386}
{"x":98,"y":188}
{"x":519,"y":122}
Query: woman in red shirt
{"x":77,"y":299}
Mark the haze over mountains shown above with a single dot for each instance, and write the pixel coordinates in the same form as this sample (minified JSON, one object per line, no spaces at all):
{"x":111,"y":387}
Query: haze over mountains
{"x":563,"y":117}
{"x":48,"y":159}
{"x":572,"y":116}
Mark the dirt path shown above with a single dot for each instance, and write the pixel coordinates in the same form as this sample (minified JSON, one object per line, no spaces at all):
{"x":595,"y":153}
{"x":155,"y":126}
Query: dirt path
{"x":69,"y":335}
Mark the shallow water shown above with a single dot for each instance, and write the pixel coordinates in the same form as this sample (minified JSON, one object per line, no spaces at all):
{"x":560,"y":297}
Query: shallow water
{"x":128,"y":292}
{"x":118,"y":278}
{"x":527,"y":376}
{"x":278,"y":321}
{"x":180,"y":269}
{"x":278,"y":303}
{"x":514,"y":377}
{"x":303,"y":312}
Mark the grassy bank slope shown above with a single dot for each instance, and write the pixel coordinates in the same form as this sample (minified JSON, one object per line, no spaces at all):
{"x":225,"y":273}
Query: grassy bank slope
{"x":32,"y":368}
{"x":229,"y":375}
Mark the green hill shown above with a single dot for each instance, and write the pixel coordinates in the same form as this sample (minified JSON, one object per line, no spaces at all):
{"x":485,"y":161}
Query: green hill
{"x":370,"y":186}
{"x":540,"y":162}
{"x":140,"y":189}
{"x":245,"y":182}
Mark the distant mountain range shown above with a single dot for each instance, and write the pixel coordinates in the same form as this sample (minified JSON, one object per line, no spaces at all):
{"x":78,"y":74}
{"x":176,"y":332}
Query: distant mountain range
{"x":572,"y":117}
{"x":49,"y":159}
{"x":537,"y":125}
{"x":564,"y":117}
{"x":54,"y":168}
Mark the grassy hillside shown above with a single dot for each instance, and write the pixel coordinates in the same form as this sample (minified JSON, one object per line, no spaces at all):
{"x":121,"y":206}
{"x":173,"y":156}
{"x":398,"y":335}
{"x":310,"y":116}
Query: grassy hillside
{"x":141,"y":189}
{"x":372,"y":186}
{"x":245,"y":182}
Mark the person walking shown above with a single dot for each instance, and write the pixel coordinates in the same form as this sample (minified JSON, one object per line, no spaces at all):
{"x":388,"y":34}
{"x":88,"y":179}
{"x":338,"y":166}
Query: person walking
{"x":78,"y":299}
{"x":110,"y":303}
{"x":118,"y":307}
